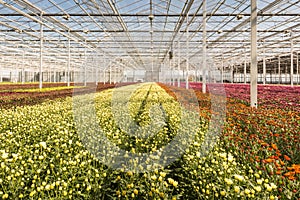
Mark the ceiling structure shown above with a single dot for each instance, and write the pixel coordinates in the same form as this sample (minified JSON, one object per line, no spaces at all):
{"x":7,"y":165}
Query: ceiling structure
{"x":140,"y":34}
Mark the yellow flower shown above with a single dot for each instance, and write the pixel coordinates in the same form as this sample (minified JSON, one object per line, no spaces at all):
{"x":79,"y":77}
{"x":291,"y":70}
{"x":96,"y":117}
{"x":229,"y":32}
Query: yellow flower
{"x":247,"y":191}
{"x":88,"y":188}
{"x":257,"y":188}
{"x":32,"y":193}
{"x":135,"y":191}
{"x":228,"y":181}
{"x":129,"y":173}
{"x":153,"y":177}
{"x":5,"y":196}
{"x":175,"y":183}
{"x":161,"y":194}
{"x":171,"y":181}
{"x":162,"y":174}
{"x":237,"y":189}
{"x":272,"y":197}
{"x":223,"y":193}
{"x":269,"y":188}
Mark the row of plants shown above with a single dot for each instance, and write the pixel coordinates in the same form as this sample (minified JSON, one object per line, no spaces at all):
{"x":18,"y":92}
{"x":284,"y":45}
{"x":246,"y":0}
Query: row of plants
{"x":269,"y":96}
{"x":145,"y":142}
{"x":43,"y":156}
{"x":13,"y":86}
{"x":267,"y":140}
{"x":27,"y":96}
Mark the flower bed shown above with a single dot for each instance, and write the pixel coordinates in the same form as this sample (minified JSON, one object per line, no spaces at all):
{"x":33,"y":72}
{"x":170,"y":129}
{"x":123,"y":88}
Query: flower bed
{"x":46,"y":153}
{"x":13,"y":86}
{"x":21,"y":96}
{"x":269,"y":96}
{"x":267,"y":140}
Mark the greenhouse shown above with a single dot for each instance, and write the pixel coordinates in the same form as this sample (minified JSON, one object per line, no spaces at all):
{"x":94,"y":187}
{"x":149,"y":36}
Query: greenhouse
{"x":150,"y":99}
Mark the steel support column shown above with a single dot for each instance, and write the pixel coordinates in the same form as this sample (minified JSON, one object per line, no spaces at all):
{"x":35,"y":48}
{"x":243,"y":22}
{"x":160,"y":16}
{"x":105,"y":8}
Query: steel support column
{"x":179,"y":54}
{"x":23,"y":67}
{"x":245,"y":68}
{"x":1,"y":78}
{"x":297,"y":63}
{"x":253,"y":69}
{"x":279,"y":71}
{"x":187,"y":53}
{"x":97,"y":68}
{"x":69,"y":61}
{"x":292,"y":63}
{"x":222,"y":69}
{"x":109,"y":73}
{"x":204,"y":48}
{"x":85,"y":65}
{"x":41,"y":56}
{"x":264,"y":67}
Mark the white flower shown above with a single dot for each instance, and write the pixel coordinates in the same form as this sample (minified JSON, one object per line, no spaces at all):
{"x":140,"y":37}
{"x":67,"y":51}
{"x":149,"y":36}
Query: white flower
{"x":43,"y":144}
{"x":228,"y":181}
{"x":14,"y":155}
{"x":273,"y":185}
{"x":230,"y":158}
{"x":5,"y":155}
{"x":238,"y":177}
{"x":223,"y":155}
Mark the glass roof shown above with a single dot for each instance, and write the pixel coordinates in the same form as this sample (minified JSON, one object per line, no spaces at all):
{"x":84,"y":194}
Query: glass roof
{"x":137,"y":33}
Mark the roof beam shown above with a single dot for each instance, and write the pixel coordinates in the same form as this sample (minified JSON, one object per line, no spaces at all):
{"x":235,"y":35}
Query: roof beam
{"x":155,"y":15}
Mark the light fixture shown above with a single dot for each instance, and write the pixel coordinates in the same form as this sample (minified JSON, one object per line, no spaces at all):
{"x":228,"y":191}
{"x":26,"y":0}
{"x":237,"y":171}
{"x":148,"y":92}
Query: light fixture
{"x":18,"y":31}
{"x":170,"y":55}
{"x":287,"y":31}
{"x":66,"y":17}
{"x":151,"y":17}
{"x":85,"y":31}
{"x":239,"y":16}
{"x":219,"y":31}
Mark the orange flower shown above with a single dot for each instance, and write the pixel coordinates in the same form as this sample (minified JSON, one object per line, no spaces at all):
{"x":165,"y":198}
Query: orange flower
{"x":278,"y":153}
{"x":288,"y":174}
{"x":277,"y":165}
{"x":269,"y":160}
{"x":278,"y":172}
{"x":287,"y":158}
{"x":295,"y":167}
{"x":292,"y":178}
{"x":274,"y":146}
